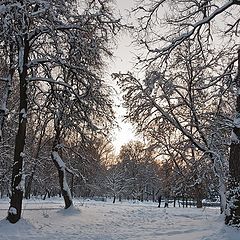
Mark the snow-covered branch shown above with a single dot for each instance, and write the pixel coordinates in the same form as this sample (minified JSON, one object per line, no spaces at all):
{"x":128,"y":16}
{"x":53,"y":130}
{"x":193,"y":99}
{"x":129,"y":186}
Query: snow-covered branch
{"x":183,"y":37}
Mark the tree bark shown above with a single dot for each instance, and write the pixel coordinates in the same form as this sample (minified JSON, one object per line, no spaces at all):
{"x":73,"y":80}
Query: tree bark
{"x":15,"y":209}
{"x":199,"y":202}
{"x":153,"y":194}
{"x":199,"y":196}
{"x":233,"y":193}
{"x":65,"y":190}
{"x":60,"y":165}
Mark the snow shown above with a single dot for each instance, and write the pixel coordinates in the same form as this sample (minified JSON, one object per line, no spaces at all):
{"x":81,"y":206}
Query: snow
{"x":21,"y":59}
{"x":24,"y":113}
{"x":3,"y":107}
{"x":234,"y":138}
{"x":62,"y":165}
{"x":95,"y":220}
{"x":236,"y":122}
{"x":58,"y":159}
{"x":12,"y":210}
{"x":22,"y":154}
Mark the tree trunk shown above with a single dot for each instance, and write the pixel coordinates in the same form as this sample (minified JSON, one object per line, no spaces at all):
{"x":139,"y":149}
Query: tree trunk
{"x":199,"y":196}
{"x":47,"y":194}
{"x":199,"y":202}
{"x":14,"y":212}
{"x":114,"y":198}
{"x":72,"y":185}
{"x":60,"y":165}
{"x":142,"y":196}
{"x":65,"y":190}
{"x":233,"y":193}
{"x":153,"y":194}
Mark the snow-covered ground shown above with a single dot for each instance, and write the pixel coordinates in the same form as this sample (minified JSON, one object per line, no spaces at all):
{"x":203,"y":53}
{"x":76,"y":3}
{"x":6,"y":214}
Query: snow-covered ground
{"x":105,"y":221}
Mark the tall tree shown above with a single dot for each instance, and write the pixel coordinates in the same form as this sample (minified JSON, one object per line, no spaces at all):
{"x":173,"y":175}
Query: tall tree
{"x":48,"y":40}
{"x":161,"y":96}
{"x":233,"y":195}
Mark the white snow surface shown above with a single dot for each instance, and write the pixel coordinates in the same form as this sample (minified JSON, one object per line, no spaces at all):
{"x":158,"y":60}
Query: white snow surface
{"x":12,"y":210}
{"x":94,"y":220}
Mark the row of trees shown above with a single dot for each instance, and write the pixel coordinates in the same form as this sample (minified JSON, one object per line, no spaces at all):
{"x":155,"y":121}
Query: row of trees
{"x":52,"y":69}
{"x":140,"y":174}
{"x":136,"y":173}
{"x":183,"y":98}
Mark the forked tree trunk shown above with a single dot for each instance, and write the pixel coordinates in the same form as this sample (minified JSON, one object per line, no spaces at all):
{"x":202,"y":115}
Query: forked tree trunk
{"x":65,"y":190}
{"x":60,"y":165}
{"x":15,"y":209}
{"x":233,"y":193}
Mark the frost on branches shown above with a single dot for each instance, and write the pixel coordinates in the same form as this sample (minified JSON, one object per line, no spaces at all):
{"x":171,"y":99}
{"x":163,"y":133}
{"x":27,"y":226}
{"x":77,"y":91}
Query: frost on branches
{"x":52,"y":47}
{"x":233,"y":204}
{"x":184,"y":99}
{"x":233,"y":194}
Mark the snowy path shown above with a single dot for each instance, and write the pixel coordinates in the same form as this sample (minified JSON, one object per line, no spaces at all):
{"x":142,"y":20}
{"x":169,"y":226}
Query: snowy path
{"x":105,"y":221}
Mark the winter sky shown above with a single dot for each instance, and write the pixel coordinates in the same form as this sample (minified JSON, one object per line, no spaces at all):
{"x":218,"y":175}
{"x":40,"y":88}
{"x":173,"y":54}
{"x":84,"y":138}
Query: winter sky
{"x":122,"y":63}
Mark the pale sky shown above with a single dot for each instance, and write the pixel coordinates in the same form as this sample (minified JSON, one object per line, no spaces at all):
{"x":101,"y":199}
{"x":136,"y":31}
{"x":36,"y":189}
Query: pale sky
{"x":122,"y":63}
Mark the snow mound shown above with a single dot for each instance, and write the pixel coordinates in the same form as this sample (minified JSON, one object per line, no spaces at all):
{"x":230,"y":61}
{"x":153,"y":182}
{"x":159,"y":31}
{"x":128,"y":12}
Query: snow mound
{"x":69,"y":212}
{"x":13,"y":231}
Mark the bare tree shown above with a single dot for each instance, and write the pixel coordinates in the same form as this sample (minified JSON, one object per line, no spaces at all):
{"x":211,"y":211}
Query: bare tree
{"x":49,"y":40}
{"x":115,"y":182}
{"x":140,"y":171}
{"x":201,"y":106}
